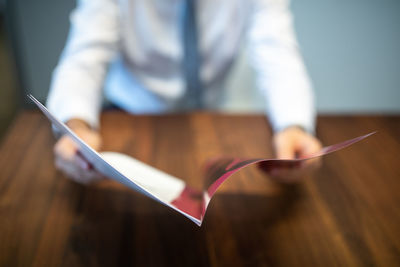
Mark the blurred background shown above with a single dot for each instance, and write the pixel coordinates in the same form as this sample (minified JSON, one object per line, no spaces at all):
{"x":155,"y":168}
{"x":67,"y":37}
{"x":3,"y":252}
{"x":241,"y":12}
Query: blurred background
{"x":351,"y":49}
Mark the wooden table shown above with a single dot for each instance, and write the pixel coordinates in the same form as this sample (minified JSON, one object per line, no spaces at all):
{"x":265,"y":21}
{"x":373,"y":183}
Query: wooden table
{"x":345,"y":214}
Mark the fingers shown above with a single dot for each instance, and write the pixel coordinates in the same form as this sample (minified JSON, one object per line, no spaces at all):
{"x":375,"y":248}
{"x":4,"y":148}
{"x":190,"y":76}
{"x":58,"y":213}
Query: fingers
{"x":285,"y":150}
{"x":72,"y":163}
{"x":284,"y":147}
{"x":65,"y":148}
{"x":308,"y":145}
{"x":294,"y":143}
{"x":82,"y":162}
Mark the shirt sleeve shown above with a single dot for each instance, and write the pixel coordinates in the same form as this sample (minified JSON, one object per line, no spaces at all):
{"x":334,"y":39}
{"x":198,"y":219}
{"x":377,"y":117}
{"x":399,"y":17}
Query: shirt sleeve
{"x":280,"y":71}
{"x":77,"y":81}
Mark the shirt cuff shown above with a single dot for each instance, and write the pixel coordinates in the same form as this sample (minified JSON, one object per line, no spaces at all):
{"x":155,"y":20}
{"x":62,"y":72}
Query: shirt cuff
{"x":307,"y":123}
{"x":76,"y":108}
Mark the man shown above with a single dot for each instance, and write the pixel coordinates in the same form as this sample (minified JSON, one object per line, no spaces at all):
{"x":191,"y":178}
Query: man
{"x":172,"y":55}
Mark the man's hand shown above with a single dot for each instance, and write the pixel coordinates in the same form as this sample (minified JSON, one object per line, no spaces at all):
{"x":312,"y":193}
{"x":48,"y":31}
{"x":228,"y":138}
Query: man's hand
{"x":292,"y":143}
{"x":70,"y":161}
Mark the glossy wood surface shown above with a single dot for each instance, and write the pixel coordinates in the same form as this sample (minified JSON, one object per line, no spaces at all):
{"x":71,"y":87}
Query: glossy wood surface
{"x":345,"y":214}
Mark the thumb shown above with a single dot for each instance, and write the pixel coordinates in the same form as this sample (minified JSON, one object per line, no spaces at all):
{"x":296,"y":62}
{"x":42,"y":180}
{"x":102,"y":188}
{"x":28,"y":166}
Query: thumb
{"x":310,"y":147}
{"x":284,"y":150}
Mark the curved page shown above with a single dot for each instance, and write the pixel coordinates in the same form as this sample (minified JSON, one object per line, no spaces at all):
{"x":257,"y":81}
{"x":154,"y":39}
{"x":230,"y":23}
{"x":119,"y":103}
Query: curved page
{"x":169,"y":190}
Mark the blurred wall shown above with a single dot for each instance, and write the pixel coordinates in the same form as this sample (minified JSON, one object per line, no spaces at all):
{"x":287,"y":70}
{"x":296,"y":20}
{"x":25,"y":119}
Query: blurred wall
{"x":8,"y":89}
{"x":350,"y":48}
{"x":39,"y":30}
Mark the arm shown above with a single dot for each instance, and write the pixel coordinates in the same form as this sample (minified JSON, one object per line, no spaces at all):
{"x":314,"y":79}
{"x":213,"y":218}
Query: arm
{"x":282,"y":77}
{"x":76,"y":88}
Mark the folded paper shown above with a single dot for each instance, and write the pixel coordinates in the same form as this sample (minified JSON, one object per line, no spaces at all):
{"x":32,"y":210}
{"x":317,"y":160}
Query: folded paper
{"x":167,"y":189}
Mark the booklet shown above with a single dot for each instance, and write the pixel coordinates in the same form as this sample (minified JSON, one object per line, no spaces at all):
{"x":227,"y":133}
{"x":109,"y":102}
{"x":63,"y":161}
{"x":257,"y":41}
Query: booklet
{"x":167,"y":189}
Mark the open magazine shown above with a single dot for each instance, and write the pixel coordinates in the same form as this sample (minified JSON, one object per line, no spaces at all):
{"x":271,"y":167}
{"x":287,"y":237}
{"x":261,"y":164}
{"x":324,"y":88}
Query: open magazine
{"x":167,"y":189}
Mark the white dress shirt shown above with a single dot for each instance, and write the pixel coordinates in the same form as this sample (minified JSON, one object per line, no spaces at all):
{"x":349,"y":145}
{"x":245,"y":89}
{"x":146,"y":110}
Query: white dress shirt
{"x":132,"y":49}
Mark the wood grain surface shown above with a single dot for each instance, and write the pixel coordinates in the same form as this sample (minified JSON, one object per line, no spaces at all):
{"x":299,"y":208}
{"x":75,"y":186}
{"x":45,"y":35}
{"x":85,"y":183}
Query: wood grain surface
{"x":345,"y":214}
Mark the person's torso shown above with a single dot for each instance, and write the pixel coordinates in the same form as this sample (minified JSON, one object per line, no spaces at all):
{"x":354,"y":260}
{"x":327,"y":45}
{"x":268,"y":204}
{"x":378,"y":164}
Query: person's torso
{"x":151,"y":42}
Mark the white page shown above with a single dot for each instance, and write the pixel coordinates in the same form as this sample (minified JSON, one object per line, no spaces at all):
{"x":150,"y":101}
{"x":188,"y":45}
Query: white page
{"x":126,"y":170}
{"x":170,"y":190}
